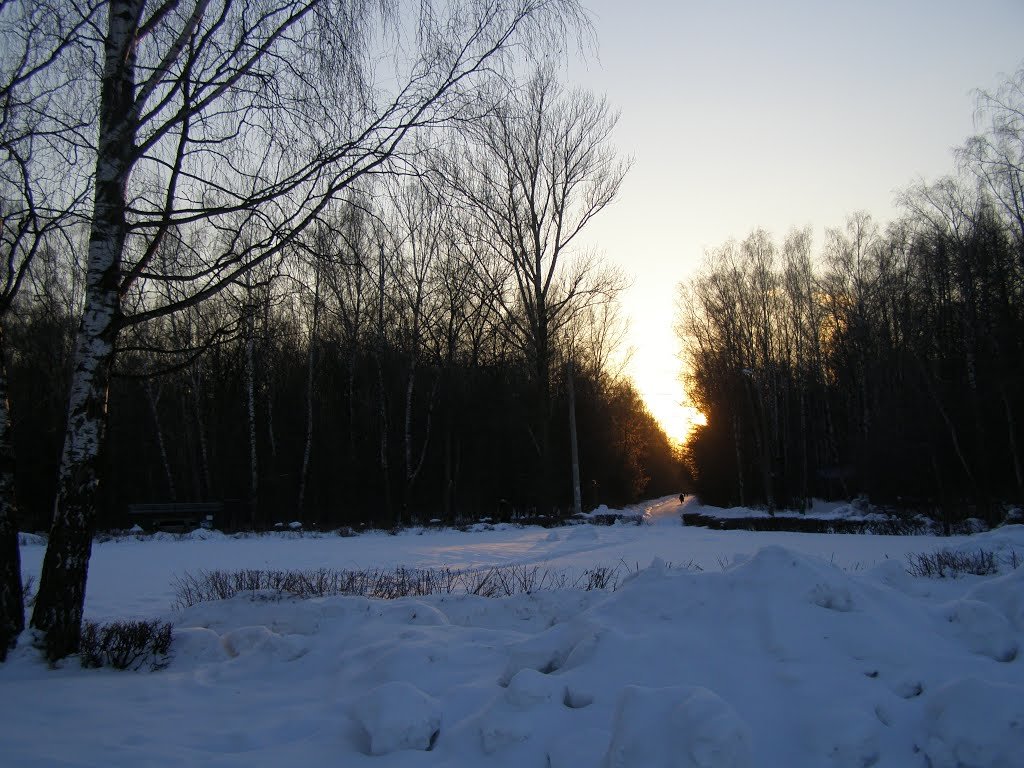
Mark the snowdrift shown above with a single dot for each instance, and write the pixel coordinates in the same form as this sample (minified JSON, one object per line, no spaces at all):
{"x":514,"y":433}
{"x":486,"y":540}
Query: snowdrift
{"x":779,"y":658}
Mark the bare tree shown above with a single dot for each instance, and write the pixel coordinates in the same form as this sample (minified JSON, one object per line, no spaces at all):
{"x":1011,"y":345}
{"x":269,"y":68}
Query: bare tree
{"x":211,"y":107}
{"x":537,"y":170}
{"x":996,"y":156}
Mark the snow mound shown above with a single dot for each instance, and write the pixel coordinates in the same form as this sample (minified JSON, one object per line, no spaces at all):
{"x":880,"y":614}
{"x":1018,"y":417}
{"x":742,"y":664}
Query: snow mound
{"x":847,"y":737}
{"x":530,"y":688}
{"x":512,"y":718}
{"x":973,"y":723}
{"x":676,"y":727}
{"x":1006,"y":594}
{"x":397,"y":716}
{"x":30,"y":539}
{"x":258,"y":642}
{"x":578,"y":748}
{"x":982,"y":628}
{"x":198,"y":645}
{"x":548,"y":651}
{"x":205,"y":534}
{"x":893,"y":574}
{"x":832,"y":597}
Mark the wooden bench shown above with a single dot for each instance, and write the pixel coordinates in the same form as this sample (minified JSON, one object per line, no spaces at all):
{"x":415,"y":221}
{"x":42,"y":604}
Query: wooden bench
{"x":176,"y":516}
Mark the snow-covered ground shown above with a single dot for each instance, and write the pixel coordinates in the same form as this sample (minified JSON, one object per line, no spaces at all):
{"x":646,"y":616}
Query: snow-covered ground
{"x":727,"y":648}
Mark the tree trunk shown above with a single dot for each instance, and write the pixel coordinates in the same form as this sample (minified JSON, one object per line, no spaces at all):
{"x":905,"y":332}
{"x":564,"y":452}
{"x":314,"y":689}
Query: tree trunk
{"x":410,"y":477}
{"x":310,"y":371}
{"x":383,"y":404}
{"x":12,"y":602}
{"x":577,"y":505}
{"x":384,"y":465}
{"x":197,"y":413}
{"x":447,"y":502}
{"x":737,"y":438}
{"x":154,"y":401}
{"x":545,"y":496}
{"x":61,"y":596}
{"x":250,"y":398}
{"x":1011,"y":426}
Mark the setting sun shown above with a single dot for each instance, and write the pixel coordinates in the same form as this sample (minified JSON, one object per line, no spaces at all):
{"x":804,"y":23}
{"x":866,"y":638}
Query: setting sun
{"x":654,"y":364}
{"x":664,"y":397}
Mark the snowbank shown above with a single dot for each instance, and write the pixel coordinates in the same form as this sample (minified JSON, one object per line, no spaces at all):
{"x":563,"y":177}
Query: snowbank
{"x":771,"y":655}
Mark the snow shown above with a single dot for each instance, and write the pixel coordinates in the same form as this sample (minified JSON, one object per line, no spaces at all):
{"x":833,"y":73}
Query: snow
{"x":819,"y":509}
{"x":676,"y":727}
{"x":718,"y":648}
{"x":962,"y":735}
{"x":398,"y":716}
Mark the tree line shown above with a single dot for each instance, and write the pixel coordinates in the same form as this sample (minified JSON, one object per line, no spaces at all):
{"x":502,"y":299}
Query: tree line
{"x":888,"y":363}
{"x":316,"y":255}
{"x":370,"y":378}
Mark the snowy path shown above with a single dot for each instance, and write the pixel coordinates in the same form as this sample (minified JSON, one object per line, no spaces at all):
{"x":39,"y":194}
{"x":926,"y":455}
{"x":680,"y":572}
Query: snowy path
{"x":665,"y":512}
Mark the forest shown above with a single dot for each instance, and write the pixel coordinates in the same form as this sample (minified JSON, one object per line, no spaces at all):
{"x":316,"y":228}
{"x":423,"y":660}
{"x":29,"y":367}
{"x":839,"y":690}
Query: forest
{"x":315,"y":259}
{"x":392,"y":365}
{"x":887,"y":364}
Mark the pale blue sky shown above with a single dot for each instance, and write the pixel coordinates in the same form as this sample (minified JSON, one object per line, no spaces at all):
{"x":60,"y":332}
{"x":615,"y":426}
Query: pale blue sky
{"x":742,"y":114}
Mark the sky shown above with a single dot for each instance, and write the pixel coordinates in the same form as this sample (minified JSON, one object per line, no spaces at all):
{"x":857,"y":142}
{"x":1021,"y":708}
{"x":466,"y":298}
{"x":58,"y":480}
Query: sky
{"x":742,"y":114}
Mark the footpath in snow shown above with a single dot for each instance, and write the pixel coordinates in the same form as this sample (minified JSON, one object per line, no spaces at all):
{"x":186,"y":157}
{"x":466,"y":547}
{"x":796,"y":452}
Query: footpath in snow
{"x":722,"y":649}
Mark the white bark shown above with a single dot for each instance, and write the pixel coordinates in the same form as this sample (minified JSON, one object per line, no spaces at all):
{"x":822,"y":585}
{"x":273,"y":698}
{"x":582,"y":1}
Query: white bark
{"x":61,"y":596}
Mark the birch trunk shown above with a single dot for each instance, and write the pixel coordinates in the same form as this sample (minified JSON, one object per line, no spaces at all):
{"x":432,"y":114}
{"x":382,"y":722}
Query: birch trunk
{"x":153,"y":398}
{"x":12,"y":605}
{"x":59,"y":602}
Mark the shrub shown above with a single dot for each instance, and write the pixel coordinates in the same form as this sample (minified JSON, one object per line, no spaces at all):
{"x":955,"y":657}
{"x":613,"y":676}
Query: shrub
{"x":499,"y":581}
{"x":28,"y":591}
{"x":944,"y":562}
{"x":125,"y":644}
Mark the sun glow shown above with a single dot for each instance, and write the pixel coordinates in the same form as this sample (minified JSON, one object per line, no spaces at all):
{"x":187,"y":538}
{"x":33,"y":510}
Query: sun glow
{"x":665,"y":399}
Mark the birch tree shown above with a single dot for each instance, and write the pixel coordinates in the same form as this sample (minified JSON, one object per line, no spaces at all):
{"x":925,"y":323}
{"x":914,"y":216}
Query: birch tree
{"x":211,"y":107}
{"x":39,"y":125}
